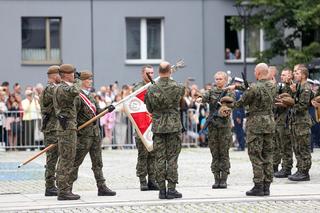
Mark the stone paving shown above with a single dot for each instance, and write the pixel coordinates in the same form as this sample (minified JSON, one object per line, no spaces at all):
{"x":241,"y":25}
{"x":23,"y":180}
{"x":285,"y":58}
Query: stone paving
{"x":194,"y":173}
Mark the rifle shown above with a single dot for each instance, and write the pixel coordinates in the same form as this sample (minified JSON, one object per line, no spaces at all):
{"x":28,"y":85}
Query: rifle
{"x":277,"y":110}
{"x":216,"y":106}
{"x":246,"y":84}
{"x":296,"y":98}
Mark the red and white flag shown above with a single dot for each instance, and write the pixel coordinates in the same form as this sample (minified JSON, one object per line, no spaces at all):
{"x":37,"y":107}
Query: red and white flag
{"x":141,"y":119}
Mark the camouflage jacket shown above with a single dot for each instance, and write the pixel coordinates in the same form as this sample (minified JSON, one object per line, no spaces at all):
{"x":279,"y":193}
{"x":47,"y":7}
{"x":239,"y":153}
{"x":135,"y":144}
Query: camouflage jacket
{"x":259,"y":98}
{"x":84,"y":113}
{"x":211,"y":97}
{"x":138,"y":85}
{"x":165,"y":107}
{"x":63,"y":101}
{"x":281,"y":113}
{"x":300,"y":113}
{"x":47,"y":110}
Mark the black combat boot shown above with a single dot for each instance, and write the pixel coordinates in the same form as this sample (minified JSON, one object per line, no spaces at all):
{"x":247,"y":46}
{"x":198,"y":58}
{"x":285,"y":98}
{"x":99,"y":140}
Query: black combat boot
{"x":301,"y":176}
{"x":162,"y":194}
{"x":105,"y":191}
{"x":172,"y":193}
{"x":223,"y":180}
{"x":297,"y":173}
{"x":152,"y":185}
{"x":216,"y":181}
{"x":53,"y":191}
{"x":283,"y":173}
{"x":266,"y":188}
{"x":68,"y":196}
{"x":143,"y":184}
{"x":275,"y":168}
{"x":257,"y":190}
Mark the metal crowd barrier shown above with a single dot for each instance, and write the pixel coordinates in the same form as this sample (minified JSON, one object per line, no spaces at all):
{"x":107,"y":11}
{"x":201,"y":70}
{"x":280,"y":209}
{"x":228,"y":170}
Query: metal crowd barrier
{"x":19,"y":134}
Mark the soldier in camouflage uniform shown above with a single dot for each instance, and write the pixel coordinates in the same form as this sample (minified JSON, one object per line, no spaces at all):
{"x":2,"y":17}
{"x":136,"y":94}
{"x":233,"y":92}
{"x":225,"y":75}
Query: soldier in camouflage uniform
{"x":276,"y":143}
{"x":283,"y":135}
{"x":260,"y":127}
{"x":89,"y":139}
{"x":162,"y":100}
{"x":219,"y":134}
{"x":146,"y":160}
{"x":65,"y":110}
{"x":49,"y":121}
{"x":300,"y":124}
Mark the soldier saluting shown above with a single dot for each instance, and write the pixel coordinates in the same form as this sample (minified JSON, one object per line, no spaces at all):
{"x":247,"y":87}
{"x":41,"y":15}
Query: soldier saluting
{"x":162,"y":100}
{"x":89,"y":138}
{"x":49,"y":129}
{"x":65,"y":110}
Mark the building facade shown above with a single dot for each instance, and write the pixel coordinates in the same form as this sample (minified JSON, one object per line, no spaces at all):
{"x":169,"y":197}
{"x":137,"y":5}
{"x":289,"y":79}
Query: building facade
{"x":114,"y":38}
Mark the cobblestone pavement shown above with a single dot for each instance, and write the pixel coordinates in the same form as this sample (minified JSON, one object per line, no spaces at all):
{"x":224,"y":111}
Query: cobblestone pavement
{"x":119,"y":170}
{"x":259,"y":207}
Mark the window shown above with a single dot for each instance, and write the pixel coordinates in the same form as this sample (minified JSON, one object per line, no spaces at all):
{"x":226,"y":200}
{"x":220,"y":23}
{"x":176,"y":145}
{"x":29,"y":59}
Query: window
{"x":234,"y":43}
{"x":40,"y":40}
{"x":144,"y":40}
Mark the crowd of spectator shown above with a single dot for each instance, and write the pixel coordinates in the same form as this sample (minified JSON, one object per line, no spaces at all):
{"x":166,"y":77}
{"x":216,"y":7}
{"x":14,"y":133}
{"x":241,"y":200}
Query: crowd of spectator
{"x":20,"y":117}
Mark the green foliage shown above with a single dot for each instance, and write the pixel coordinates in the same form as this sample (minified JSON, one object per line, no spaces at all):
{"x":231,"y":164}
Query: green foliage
{"x":284,"y":22}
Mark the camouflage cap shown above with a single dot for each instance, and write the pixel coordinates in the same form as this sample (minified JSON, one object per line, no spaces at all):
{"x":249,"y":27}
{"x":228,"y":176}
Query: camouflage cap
{"x":67,"y":68}
{"x":53,"y":69}
{"x":85,"y":74}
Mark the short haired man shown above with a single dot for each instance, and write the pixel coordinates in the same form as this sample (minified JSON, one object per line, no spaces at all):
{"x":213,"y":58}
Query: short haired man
{"x":162,"y":100}
{"x":146,"y":160}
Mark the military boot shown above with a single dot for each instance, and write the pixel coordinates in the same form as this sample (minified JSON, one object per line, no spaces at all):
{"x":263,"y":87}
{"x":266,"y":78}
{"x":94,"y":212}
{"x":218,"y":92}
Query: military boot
{"x":172,"y":193}
{"x":283,"y":173}
{"x":53,"y":191}
{"x":143,"y":184}
{"x":223,"y":180}
{"x":105,"y":191}
{"x":152,"y":185}
{"x":266,"y":188}
{"x":216,"y":181}
{"x":257,"y":190}
{"x":297,"y":173}
{"x":68,"y":196}
{"x":301,"y":176}
{"x":162,"y":194}
{"x":275,"y":168}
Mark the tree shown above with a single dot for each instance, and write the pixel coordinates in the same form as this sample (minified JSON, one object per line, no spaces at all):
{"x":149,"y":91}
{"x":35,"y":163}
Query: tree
{"x":286,"y":24}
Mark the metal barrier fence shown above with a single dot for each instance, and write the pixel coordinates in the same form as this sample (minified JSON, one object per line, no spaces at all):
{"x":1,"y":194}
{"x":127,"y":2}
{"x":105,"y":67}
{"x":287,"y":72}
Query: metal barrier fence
{"x":19,"y":134}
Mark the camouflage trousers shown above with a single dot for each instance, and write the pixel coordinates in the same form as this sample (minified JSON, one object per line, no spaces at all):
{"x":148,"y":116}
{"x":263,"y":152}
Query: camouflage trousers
{"x":145,"y":161}
{"x":51,"y":158}
{"x":91,"y":145}
{"x":276,"y":149}
{"x":167,"y":147}
{"x":67,"y":152}
{"x":260,"y":154}
{"x":301,"y":140}
{"x":219,"y":143}
{"x":284,"y":137}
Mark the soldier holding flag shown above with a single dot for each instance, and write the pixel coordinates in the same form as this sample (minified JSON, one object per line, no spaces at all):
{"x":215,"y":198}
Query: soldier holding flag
{"x":146,"y":160}
{"x":89,"y":140}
